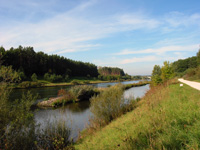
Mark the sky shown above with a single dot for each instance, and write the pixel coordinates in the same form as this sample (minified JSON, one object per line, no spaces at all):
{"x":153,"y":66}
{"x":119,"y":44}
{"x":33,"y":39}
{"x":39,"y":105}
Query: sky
{"x":133,"y":35}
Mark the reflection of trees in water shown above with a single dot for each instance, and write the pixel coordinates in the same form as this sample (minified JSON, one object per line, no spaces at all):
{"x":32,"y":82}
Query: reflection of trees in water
{"x":77,"y":107}
{"x":43,"y":92}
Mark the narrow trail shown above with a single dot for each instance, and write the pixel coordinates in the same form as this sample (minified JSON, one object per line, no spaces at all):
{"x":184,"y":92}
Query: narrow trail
{"x":193,"y":84}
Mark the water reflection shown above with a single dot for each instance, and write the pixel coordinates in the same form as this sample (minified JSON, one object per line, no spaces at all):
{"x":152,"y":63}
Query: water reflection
{"x":47,"y":92}
{"x":77,"y":115}
{"x":136,"y":92}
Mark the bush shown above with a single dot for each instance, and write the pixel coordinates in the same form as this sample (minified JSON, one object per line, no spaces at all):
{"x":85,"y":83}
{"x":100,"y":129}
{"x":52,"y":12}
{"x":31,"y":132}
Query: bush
{"x":28,"y":84}
{"x":108,"y":105}
{"x":86,"y":82}
{"x":82,"y":92}
{"x":55,"y":136}
{"x":76,"y":93}
{"x":46,"y":76}
{"x":22,"y":75}
{"x":34,"y":77}
{"x":193,"y":73}
{"x":75,"y":82}
{"x":17,"y":126}
{"x":66,"y":78}
{"x":53,"y":77}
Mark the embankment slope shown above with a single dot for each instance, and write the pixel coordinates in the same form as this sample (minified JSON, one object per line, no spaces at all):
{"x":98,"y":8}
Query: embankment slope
{"x":168,"y":117}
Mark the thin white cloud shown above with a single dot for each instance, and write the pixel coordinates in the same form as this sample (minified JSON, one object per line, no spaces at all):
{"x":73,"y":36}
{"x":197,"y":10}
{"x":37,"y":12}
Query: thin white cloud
{"x":78,"y":48}
{"x":69,"y":29}
{"x":72,"y":32}
{"x":141,"y":22}
{"x":177,"y":19}
{"x":140,"y":59}
{"x":161,"y":50}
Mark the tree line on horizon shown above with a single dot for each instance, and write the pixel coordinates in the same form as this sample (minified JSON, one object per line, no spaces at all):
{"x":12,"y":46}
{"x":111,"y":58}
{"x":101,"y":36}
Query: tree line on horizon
{"x":26,"y":60}
{"x":30,"y":65}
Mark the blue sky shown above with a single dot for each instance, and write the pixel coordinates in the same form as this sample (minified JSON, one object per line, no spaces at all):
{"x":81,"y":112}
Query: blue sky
{"x":130,"y":34}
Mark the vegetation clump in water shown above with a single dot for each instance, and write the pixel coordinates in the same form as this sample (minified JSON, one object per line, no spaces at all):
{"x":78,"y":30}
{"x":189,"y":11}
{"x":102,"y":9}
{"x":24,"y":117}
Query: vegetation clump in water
{"x":75,"y":94}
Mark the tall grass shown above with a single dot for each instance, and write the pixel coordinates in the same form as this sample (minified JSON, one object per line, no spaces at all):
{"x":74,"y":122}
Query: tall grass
{"x":168,"y":117}
{"x":18,"y":129}
{"x":141,"y":83}
{"x":54,"y":136}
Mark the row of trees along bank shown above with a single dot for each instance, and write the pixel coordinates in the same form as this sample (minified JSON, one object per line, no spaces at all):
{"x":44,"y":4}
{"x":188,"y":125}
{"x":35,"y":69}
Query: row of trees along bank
{"x":30,"y":65}
{"x":26,"y":61}
{"x":188,"y":68}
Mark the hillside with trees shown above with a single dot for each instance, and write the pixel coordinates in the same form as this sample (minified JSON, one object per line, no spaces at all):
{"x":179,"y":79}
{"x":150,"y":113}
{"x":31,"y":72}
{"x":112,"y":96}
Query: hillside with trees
{"x":105,"y":71}
{"x":188,"y":68}
{"x":112,"y":73}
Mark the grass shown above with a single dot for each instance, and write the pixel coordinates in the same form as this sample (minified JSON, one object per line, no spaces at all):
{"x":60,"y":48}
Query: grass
{"x":141,"y":83}
{"x":71,"y":81}
{"x":197,"y":80}
{"x":168,"y":117}
{"x":44,"y":83}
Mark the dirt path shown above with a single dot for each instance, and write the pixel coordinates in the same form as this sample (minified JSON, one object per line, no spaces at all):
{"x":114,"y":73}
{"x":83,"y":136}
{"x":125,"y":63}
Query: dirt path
{"x":193,"y":84}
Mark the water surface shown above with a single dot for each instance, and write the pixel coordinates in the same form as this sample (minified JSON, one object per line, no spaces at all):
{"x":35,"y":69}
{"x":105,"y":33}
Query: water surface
{"x":77,"y":115}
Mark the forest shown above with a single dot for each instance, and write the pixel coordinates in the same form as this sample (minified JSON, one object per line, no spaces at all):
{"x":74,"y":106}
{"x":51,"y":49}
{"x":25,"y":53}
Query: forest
{"x":27,"y":62}
{"x":31,"y":65}
{"x":111,"y":71}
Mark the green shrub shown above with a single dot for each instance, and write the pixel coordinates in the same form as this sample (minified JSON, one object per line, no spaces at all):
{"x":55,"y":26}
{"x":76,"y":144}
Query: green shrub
{"x":17,"y":126}
{"x":75,"y":82}
{"x":25,"y":84}
{"x":74,"y":94}
{"x":82,"y":92}
{"x":108,"y":105}
{"x":28,"y":84}
{"x":53,"y":77}
{"x":34,"y":77}
{"x":46,"y":76}
{"x":66,"y":78}
{"x":86,"y":82}
{"x":55,"y":136}
{"x":192,"y":73}
{"x":22,"y":75}
{"x":61,"y":102}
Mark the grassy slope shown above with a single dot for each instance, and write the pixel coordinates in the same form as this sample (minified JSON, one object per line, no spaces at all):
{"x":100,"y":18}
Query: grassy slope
{"x":167,"y":118}
{"x":80,"y":81}
{"x":197,"y":80}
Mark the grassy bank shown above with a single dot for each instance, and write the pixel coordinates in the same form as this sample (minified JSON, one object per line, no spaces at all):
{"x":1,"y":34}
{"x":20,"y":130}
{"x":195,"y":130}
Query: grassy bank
{"x":141,"y":83}
{"x":43,"y":83}
{"x":72,"y":81}
{"x":197,"y":80}
{"x":168,"y":117}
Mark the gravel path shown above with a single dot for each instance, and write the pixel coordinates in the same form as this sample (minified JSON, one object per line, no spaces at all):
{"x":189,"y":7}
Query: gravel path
{"x":193,"y":84}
